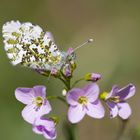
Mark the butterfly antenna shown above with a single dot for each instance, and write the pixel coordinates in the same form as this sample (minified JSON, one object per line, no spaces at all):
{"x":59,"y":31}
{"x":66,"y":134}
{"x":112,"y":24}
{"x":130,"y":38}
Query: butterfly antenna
{"x":88,"y":41}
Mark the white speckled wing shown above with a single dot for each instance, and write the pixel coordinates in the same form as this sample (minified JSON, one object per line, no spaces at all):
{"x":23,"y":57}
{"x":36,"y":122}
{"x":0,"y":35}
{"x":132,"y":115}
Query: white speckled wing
{"x":28,"y":45}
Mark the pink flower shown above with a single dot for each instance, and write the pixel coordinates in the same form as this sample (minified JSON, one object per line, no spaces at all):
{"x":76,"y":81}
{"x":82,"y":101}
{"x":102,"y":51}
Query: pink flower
{"x":35,"y":101}
{"x":116,"y":101}
{"x":45,"y":127}
{"x":84,"y":101}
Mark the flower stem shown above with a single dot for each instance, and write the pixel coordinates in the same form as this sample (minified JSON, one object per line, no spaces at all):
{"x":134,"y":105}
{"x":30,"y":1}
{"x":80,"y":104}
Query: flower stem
{"x":69,"y":128}
{"x":66,"y":82}
{"x":57,"y":97}
{"x":69,"y":131}
{"x":122,"y":128}
{"x":77,"y":81}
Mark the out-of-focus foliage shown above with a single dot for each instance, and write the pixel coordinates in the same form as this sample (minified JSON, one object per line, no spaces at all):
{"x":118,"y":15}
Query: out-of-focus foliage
{"x":134,"y":133}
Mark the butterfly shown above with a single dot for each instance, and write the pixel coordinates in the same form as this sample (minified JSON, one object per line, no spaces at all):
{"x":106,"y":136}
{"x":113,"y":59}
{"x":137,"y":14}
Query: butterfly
{"x":29,"y":45}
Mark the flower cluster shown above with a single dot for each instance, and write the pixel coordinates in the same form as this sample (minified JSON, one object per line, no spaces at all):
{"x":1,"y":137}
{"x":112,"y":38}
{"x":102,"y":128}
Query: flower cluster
{"x":30,"y":46}
{"x":36,"y":107}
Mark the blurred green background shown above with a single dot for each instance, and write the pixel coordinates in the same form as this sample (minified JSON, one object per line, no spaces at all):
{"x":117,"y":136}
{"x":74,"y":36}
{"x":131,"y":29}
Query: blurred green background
{"x":115,"y":53}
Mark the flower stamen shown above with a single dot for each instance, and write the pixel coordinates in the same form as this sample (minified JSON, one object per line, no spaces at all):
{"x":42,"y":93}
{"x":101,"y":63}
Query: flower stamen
{"x":115,"y":99}
{"x":38,"y":101}
{"x":82,"y":100}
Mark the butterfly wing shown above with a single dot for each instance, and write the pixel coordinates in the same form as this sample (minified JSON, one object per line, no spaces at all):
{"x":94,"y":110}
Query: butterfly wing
{"x":28,"y":45}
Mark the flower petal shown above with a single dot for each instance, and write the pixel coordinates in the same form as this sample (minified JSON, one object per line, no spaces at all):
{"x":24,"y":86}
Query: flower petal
{"x":73,"y":95}
{"x":91,"y":92}
{"x":24,"y":95}
{"x":124,"y":110}
{"x":38,"y":129}
{"x":95,"y":110}
{"x":76,"y":113}
{"x":113,"y":109}
{"x":112,"y":92}
{"x":31,"y":112}
{"x":46,"y":127}
{"x":50,"y":134}
{"x":95,"y":77}
{"x":126,"y":92}
{"x":45,"y":122}
{"x":40,"y":91}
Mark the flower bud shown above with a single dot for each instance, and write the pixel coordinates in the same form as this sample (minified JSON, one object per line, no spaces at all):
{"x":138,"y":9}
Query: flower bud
{"x":54,"y":72}
{"x":64,"y":92}
{"x":70,"y":51}
{"x":67,"y":70}
{"x":73,"y":65}
{"x":103,"y":95}
{"x":42,"y":72}
{"x":94,"y":77}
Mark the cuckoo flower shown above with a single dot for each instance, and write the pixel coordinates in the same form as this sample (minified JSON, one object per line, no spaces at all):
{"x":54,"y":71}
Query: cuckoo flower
{"x":35,"y":99}
{"x":45,"y":127}
{"x":116,"y":101}
{"x":84,"y":101}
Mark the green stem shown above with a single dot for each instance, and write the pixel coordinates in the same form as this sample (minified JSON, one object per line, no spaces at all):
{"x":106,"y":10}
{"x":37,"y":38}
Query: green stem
{"x":77,"y":81}
{"x":69,"y":131}
{"x":69,"y":128}
{"x":57,"y":97}
{"x":65,"y":81}
{"x":122,"y":128}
